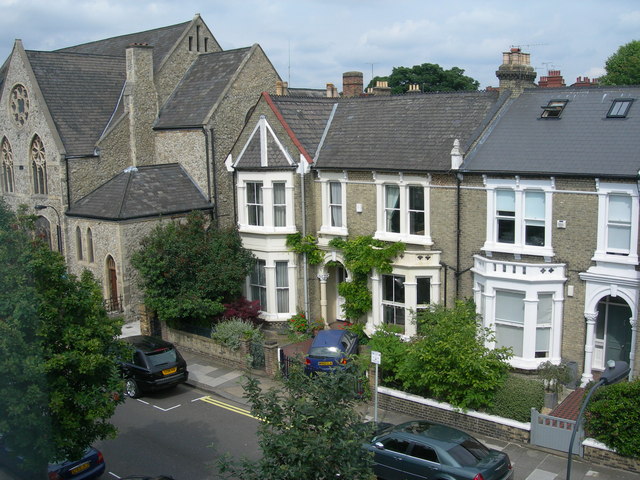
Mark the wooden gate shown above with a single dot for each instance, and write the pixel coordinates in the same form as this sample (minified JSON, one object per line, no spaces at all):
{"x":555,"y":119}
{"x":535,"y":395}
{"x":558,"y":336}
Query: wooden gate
{"x":555,"y":432}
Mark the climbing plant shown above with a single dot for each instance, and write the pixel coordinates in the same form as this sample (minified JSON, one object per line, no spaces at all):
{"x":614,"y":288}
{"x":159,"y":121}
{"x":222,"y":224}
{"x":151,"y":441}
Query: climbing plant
{"x":305,"y":244}
{"x":362,"y":255}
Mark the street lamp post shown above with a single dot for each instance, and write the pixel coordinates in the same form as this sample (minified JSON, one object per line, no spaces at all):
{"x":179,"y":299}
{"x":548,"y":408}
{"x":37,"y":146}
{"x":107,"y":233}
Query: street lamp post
{"x":58,"y":228}
{"x":614,"y":372}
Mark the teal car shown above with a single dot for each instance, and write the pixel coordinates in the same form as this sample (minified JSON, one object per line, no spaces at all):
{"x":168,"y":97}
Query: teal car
{"x":422,"y":450}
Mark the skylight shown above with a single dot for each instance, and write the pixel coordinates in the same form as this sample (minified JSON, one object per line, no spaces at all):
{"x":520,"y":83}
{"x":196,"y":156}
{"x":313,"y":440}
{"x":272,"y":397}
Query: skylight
{"x":553,"y":109}
{"x":620,"y":108}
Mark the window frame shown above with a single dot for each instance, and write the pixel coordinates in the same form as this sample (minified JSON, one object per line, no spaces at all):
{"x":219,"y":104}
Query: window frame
{"x":79,"y":249}
{"x":8,"y":177}
{"x":258,"y":283}
{"x":406,"y":184}
{"x":326,"y":179}
{"x":38,"y":160}
{"x":279,"y":207}
{"x":554,"y":108}
{"x":621,"y":106}
{"x":394,"y":304}
{"x":521,"y":190}
{"x":268,"y":203}
{"x":282,"y":286}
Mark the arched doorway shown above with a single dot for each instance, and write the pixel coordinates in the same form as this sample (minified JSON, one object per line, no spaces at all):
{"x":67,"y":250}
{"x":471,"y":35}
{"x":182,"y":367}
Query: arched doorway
{"x":113,"y":302}
{"x":613,"y":332}
{"x":337,"y":275}
{"x":43,"y":229}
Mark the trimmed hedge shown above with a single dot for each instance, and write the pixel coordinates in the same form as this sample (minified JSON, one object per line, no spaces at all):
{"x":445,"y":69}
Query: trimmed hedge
{"x":515,"y":398}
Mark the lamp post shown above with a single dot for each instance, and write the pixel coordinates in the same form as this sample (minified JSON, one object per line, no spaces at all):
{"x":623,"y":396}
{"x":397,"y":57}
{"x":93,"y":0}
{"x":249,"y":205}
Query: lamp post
{"x":58,"y":228}
{"x":614,"y":372}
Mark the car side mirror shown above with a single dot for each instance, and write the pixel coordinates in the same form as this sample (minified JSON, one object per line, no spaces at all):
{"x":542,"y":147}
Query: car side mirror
{"x":379,"y":445}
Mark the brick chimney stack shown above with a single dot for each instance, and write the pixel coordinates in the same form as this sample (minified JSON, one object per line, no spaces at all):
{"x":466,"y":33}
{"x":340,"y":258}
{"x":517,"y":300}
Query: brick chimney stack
{"x":585,"y":82}
{"x":552,"y":80}
{"x":516,"y":72}
{"x":352,"y":84}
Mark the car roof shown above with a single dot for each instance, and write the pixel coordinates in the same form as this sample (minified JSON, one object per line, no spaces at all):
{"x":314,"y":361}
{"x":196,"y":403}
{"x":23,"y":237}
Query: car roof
{"x":328,"y":338}
{"x":147,"y":343}
{"x":436,"y":433}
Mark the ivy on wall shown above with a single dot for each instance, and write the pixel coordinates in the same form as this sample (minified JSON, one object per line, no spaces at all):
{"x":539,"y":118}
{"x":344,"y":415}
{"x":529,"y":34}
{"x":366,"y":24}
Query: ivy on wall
{"x":307,"y":244}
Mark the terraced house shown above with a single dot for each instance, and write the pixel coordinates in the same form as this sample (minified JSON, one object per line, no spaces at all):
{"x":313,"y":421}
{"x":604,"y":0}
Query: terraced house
{"x":525,"y":201}
{"x":106,"y":139}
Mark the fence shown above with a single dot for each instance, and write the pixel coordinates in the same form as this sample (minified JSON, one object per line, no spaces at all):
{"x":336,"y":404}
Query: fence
{"x":555,"y":432}
{"x":113,"y":304}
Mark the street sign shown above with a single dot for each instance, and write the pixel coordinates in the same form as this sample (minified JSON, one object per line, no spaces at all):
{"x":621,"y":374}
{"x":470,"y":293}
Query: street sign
{"x":375,"y":357}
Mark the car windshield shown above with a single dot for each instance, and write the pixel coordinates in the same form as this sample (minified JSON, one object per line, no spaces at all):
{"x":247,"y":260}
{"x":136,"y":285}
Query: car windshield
{"x":469,"y":452}
{"x":161,"y":356}
{"x":324,"y":352}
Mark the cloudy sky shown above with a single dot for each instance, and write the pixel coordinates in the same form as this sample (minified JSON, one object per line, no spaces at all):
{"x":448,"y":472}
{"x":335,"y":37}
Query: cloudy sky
{"x":312,"y":42}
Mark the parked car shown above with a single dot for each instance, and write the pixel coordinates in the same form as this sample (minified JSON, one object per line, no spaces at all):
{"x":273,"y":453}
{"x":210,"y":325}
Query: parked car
{"x":90,"y":466}
{"x":422,"y":450}
{"x":154,"y":365}
{"x":330,"y":349}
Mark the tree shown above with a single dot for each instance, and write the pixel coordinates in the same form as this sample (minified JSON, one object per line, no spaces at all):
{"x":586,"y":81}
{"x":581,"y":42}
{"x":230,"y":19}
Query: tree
{"x":430,"y":77}
{"x":623,"y":67}
{"x":58,"y":351}
{"x":310,"y":429}
{"x":190,"y":270}
{"x":448,"y":359}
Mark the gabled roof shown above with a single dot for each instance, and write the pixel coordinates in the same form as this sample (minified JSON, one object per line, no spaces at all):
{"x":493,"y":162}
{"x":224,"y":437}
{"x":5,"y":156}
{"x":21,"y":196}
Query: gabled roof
{"x":581,"y":141}
{"x":204,"y":83}
{"x":413,"y":132}
{"x":81,"y":92}
{"x":162,"y":39}
{"x":139,"y":192}
{"x":263,"y":149}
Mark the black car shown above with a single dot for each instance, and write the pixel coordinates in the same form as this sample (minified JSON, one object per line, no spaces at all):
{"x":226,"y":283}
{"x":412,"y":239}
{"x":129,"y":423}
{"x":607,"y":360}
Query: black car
{"x":154,"y":365}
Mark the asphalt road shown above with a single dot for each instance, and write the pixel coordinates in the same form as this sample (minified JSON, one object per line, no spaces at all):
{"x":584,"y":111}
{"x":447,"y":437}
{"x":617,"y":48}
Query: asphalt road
{"x":179,"y":433}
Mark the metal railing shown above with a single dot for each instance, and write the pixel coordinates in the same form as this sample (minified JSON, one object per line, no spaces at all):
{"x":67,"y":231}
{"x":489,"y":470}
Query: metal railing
{"x":113,"y":304}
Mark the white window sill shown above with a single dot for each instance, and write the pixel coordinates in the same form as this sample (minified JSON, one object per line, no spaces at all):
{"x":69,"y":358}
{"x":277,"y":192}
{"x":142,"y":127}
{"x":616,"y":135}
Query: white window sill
{"x":399,"y":237}
{"x":618,"y":259}
{"x":265,"y":230}
{"x":337,"y":231}
{"x":518,"y":249}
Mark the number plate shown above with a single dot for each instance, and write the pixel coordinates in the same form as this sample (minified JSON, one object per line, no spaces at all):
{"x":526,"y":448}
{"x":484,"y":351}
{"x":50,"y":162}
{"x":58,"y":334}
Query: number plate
{"x":169,"y":371}
{"x":325,"y":363}
{"x":80,"y":468}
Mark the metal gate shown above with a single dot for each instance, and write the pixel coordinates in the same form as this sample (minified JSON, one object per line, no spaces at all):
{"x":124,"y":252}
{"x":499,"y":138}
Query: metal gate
{"x":555,"y":432}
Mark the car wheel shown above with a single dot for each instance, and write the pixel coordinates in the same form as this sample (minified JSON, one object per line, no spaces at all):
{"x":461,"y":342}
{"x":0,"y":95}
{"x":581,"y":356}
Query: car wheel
{"x":131,"y":388}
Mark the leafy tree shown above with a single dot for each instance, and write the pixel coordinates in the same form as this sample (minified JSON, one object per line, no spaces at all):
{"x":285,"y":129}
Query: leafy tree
{"x":448,"y":359}
{"x":430,"y":77}
{"x":189,"y":270}
{"x":623,"y":67}
{"x":613,"y":417}
{"x":58,"y":351}
{"x":310,"y":429}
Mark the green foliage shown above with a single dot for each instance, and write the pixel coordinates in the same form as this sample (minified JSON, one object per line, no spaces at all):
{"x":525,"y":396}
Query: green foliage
{"x":190,"y":270}
{"x":516,"y":397}
{"x":623,"y":67}
{"x":430,"y":77}
{"x":300,"y":324}
{"x":307,"y":244}
{"x":362,"y":255}
{"x":58,"y":351}
{"x":310,"y":429}
{"x":231,"y":333}
{"x":554,"y":376}
{"x":613,"y":417}
{"x":447,"y":359}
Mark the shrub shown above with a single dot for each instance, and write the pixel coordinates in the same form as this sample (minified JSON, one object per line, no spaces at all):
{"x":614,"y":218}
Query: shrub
{"x":233,"y":332}
{"x":515,"y":398}
{"x":243,"y":309}
{"x":613,"y":417}
{"x":299,"y":323}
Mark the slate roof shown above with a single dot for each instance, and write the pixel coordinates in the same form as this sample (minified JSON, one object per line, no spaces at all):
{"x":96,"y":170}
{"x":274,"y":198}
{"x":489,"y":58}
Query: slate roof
{"x":251,"y":159}
{"x":191,"y":102}
{"x":307,"y":117}
{"x":582,"y":141}
{"x":162,"y":39}
{"x":81,"y":92}
{"x":413,"y":132}
{"x":147,"y":191}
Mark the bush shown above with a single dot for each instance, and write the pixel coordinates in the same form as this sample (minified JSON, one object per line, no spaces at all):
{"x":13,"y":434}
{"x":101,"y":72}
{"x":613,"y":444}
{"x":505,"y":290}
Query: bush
{"x":613,"y":417}
{"x":233,"y":332}
{"x":515,"y":398}
{"x":243,"y":309}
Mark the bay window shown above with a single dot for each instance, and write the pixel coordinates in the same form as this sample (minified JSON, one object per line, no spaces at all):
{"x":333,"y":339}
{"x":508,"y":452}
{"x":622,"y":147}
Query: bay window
{"x":393,"y":307}
{"x":254,"y":203}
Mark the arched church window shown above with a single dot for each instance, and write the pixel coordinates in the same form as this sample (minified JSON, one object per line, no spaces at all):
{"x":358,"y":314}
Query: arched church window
{"x":38,"y":166}
{"x":7,"y":167}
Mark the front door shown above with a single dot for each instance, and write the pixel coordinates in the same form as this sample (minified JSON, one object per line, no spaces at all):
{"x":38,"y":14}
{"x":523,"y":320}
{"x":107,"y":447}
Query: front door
{"x":613,"y":332}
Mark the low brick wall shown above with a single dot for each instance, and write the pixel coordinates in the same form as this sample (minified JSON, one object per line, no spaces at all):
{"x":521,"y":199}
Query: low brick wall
{"x":598,"y":454}
{"x":470,"y":421}
{"x":206,"y":346}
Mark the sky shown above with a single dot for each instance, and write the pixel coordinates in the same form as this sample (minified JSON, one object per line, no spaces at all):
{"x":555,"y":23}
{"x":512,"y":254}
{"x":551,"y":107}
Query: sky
{"x":313,"y":42}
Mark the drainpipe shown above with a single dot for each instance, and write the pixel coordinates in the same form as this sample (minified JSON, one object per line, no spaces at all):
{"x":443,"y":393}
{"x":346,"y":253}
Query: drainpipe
{"x":215,"y":179}
{"x":304,"y":232}
{"x":458,"y":209}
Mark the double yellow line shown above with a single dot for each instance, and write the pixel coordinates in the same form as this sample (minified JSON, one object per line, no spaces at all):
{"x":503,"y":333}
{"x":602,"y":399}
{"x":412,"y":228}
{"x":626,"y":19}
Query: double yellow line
{"x":226,"y":406}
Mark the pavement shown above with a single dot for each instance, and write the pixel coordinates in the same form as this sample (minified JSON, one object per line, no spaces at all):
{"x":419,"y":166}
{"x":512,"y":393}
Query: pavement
{"x":530,"y":462}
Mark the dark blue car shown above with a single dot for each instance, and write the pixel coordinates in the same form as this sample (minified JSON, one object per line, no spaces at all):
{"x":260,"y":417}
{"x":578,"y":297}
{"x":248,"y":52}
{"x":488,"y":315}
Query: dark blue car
{"x":330,"y":349}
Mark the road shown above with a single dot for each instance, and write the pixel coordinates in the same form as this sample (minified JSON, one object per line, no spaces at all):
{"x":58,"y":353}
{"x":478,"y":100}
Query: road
{"x":179,"y":433}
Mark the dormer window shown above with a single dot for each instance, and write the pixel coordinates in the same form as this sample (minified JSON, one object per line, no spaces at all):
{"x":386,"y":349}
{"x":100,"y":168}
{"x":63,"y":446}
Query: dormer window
{"x":620,"y":108}
{"x":553,"y":109}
